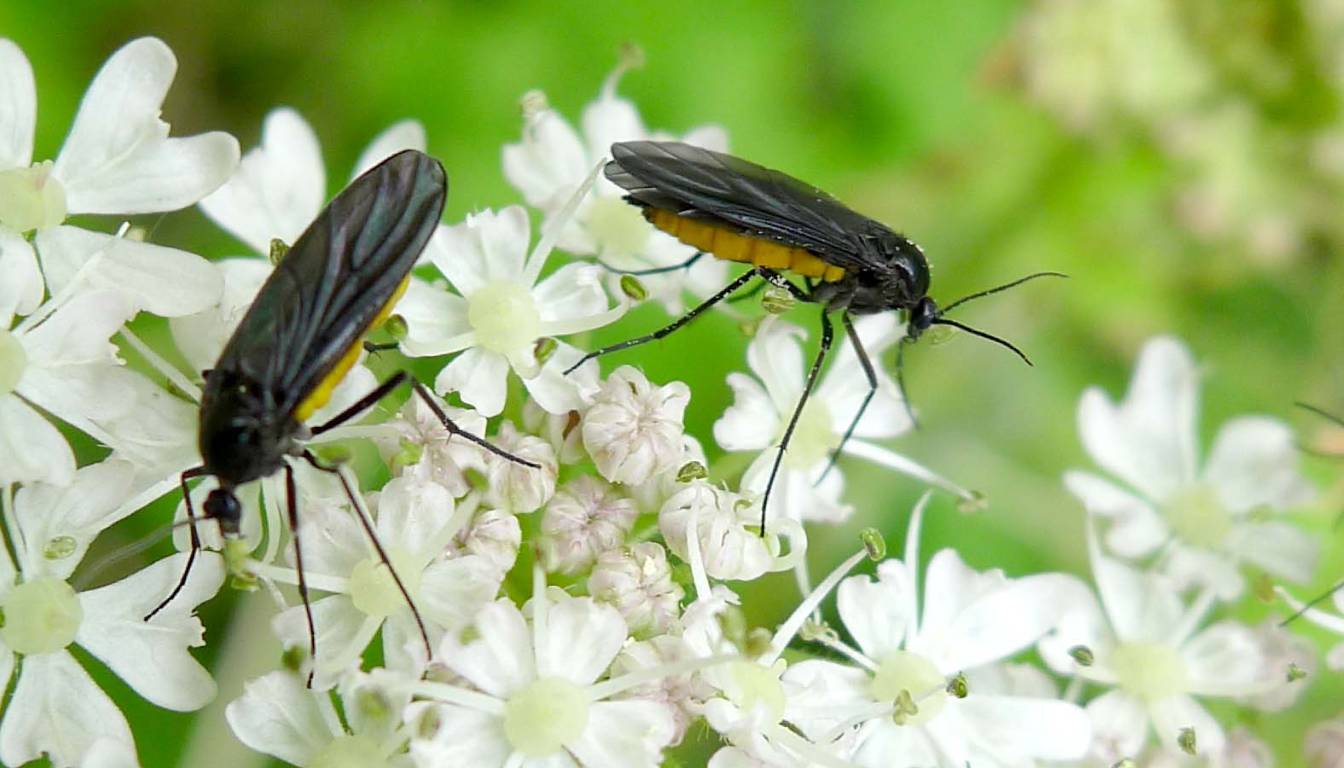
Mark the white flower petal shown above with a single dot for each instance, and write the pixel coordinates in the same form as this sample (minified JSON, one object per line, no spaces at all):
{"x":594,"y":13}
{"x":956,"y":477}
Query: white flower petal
{"x":1009,"y":619}
{"x":1136,"y":531}
{"x":1139,"y":606}
{"x":822,"y":695}
{"x":436,"y":320}
{"x":797,"y":494}
{"x":20,"y":280}
{"x":776,"y":357}
{"x":1119,"y":726}
{"x":18,"y":107}
{"x":548,"y":163}
{"x":343,"y":632}
{"x":877,"y":613}
{"x":581,"y":639}
{"x":1023,"y":727}
{"x":559,"y":393}
{"x":278,"y":188}
{"x":499,"y":659}
{"x":1282,"y":549}
{"x":624,"y":734}
{"x":165,"y":281}
{"x":844,"y":385}
{"x":489,"y":246}
{"x":480,"y":377}
{"x":453,"y":591}
{"x":1148,"y":440}
{"x":1175,"y":713}
{"x":79,"y":511}
{"x":201,"y":336}
{"x":407,"y":134}
{"x":57,"y":709}
{"x":752,"y":422}
{"x":278,"y":716}
{"x":1224,"y":660}
{"x":411,"y":515}
{"x":31,"y":449}
{"x":608,"y":120}
{"x":950,"y":586}
{"x":152,"y":656}
{"x":573,"y":291}
{"x":880,"y":740}
{"x":110,"y":753}
{"x":1255,"y":462}
{"x":464,"y":737}
{"x":118,"y":157}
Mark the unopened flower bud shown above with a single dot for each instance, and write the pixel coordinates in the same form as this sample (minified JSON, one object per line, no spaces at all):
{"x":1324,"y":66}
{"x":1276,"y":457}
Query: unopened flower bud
{"x":517,"y":488}
{"x":496,"y":536}
{"x":585,"y":518}
{"x":638,"y":581}
{"x":633,"y":430}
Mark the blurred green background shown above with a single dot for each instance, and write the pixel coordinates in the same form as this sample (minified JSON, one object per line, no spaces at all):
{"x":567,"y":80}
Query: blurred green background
{"x":1006,"y":137}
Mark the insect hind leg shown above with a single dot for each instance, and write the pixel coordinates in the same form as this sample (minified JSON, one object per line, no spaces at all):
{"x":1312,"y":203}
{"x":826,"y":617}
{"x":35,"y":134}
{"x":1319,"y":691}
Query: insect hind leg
{"x":671,"y":327}
{"x":870,"y":374}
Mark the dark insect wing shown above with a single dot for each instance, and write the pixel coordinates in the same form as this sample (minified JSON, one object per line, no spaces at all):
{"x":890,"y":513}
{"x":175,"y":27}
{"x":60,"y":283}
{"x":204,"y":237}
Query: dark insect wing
{"x":757,"y":201}
{"x":328,"y":289}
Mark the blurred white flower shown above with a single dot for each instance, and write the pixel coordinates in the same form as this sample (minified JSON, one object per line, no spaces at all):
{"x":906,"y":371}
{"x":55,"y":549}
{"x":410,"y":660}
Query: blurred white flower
{"x":633,"y":429}
{"x":65,"y":366}
{"x":1147,"y":647}
{"x":117,"y":159}
{"x":417,"y":444}
{"x":728,"y":542}
{"x":1332,"y":622}
{"x":495,"y":535}
{"x":533,"y":693}
{"x":762,"y":407}
{"x":584,"y":519}
{"x":1324,"y":747}
{"x":279,"y":716}
{"x":414,"y":522}
{"x":1201,"y":523}
{"x":684,"y":693}
{"x":56,"y":708}
{"x":896,"y":695}
{"x":504,"y":316}
{"x":553,"y":158}
{"x":638,"y":581}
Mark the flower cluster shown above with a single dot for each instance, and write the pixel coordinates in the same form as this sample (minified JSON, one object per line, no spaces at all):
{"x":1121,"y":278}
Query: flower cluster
{"x":583,"y":610}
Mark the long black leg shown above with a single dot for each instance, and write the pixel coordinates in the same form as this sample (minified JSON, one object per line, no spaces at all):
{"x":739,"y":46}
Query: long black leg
{"x":742,"y":280}
{"x":867,"y":364}
{"x":292,"y":510}
{"x":827,"y":333}
{"x":195,"y":540}
{"x":397,"y":379}
{"x":367,"y":524}
{"x":653,"y":270}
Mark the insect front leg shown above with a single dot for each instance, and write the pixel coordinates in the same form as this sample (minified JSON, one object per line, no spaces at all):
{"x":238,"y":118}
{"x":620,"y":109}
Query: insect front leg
{"x":195,"y":540}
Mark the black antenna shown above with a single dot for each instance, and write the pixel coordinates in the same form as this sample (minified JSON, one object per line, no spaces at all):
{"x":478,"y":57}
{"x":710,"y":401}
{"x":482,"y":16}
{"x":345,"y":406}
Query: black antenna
{"x":983,"y":335}
{"x":1332,"y":418}
{"x":998,"y":288}
{"x":1312,"y":603}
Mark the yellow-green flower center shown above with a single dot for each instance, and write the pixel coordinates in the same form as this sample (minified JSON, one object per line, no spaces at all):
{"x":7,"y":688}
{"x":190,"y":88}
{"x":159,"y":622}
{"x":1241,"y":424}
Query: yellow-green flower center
{"x":813,"y":437}
{"x":374,"y":591}
{"x":541,"y":718}
{"x":913,"y":684}
{"x":1151,"y":671}
{"x":617,"y":226}
{"x":31,"y":198}
{"x":1197,"y":516}
{"x":12,"y":361}
{"x":753,"y":685}
{"x":504,"y":316}
{"x":349,"y":751}
{"x":41,"y":616}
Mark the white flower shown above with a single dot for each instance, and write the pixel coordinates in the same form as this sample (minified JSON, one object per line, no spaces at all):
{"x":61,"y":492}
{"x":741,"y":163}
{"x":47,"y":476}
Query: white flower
{"x":1149,"y":649}
{"x":501,"y":317}
{"x":536,"y":697}
{"x":896,"y":692}
{"x":762,"y":407}
{"x":425,"y":449}
{"x":278,"y":715}
{"x":553,"y":158}
{"x":514,"y":487}
{"x":1201,"y":522}
{"x":638,"y":581}
{"x":728,"y":536}
{"x":117,"y":159}
{"x":584,"y":519}
{"x":495,"y":535}
{"x":633,"y":430}
{"x":1332,"y":622}
{"x":1324,"y":746}
{"x":1290,"y":663}
{"x":415,"y":521}
{"x":685,"y":693}
{"x":62,"y":366}
{"x":56,"y":708}
{"x":1243,"y":750}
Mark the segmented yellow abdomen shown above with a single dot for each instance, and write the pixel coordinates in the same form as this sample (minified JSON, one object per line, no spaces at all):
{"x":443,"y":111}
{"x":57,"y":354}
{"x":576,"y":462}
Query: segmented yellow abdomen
{"x":723,"y":243}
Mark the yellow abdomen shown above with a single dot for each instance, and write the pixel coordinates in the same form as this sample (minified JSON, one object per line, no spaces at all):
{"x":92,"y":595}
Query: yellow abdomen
{"x":725,"y":244}
{"x":321,"y":394}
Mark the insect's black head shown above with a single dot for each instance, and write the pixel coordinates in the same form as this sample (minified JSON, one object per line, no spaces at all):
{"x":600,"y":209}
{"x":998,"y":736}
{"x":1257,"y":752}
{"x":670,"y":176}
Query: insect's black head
{"x":223,"y":506}
{"x":923,"y":315}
